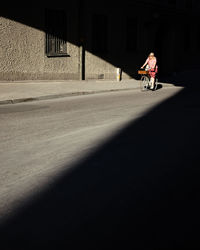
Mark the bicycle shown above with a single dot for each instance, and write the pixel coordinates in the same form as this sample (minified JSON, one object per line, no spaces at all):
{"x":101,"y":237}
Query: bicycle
{"x":145,"y":83}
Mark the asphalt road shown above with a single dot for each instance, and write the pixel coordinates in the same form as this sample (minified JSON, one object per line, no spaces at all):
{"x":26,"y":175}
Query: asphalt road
{"x":52,"y":147}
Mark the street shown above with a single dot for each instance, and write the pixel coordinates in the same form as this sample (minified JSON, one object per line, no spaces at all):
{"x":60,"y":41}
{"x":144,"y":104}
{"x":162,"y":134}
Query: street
{"x":39,"y":140}
{"x":99,"y":139}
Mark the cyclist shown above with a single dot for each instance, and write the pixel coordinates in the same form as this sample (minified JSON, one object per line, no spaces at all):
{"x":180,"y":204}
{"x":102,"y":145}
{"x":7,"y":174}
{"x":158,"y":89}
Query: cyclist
{"x":151,"y":66}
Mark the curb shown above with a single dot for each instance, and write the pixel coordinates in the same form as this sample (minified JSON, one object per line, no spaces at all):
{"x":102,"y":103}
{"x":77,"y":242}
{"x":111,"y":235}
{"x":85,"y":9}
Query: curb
{"x":48,"y":97}
{"x":54,"y":96}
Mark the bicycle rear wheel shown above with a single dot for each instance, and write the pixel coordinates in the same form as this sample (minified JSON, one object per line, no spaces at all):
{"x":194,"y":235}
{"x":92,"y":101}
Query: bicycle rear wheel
{"x":144,"y":83}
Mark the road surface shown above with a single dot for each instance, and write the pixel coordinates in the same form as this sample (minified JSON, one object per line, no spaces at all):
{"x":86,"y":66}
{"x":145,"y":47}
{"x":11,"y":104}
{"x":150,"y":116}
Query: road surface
{"x":94,"y":147}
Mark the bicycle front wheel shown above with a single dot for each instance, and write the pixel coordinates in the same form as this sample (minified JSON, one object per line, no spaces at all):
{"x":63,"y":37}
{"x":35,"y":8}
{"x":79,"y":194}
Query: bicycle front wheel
{"x":144,"y":83}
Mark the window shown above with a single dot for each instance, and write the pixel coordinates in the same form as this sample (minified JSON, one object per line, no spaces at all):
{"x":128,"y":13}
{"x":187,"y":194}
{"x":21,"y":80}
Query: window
{"x":56,"y":33}
{"x":187,"y":37}
{"x":196,"y":4}
{"x":131,"y":34}
{"x":198,"y":36}
{"x":172,"y":2}
{"x":99,"y":34}
{"x":188,"y":4}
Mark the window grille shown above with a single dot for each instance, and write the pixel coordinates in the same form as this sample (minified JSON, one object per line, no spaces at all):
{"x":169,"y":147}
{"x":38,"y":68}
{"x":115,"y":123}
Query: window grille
{"x":187,"y":37}
{"x":173,"y":2}
{"x":99,"y":34}
{"x":131,"y":34}
{"x":188,"y":4}
{"x":56,"y":33}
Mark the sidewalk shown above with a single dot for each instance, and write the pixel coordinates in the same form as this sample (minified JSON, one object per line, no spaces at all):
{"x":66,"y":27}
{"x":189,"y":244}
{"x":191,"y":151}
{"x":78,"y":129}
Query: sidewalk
{"x":23,"y":91}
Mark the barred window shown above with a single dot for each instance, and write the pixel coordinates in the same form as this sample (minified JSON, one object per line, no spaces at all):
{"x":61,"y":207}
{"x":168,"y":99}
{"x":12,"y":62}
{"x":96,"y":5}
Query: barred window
{"x":56,"y":32}
{"x":173,"y":2}
{"x":131,"y":34}
{"x":188,"y":4}
{"x":187,"y":37}
{"x":99,"y":34}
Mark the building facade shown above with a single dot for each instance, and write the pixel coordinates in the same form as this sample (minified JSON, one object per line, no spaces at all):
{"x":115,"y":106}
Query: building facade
{"x":85,"y":40}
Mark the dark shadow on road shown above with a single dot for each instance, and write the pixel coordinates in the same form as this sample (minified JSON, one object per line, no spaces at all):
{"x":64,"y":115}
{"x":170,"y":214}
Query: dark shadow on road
{"x":188,"y":78}
{"x":140,"y":190}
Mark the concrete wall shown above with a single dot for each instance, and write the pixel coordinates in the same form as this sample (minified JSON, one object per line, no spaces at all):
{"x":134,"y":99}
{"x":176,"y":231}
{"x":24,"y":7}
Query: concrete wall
{"x":117,"y":55}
